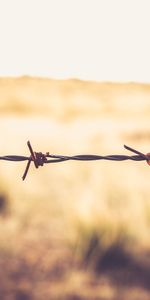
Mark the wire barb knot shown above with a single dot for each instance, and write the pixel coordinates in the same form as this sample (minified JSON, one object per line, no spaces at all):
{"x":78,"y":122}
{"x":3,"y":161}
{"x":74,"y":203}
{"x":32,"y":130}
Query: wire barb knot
{"x":40,"y":159}
{"x":148,"y":158}
{"x":37,"y":157}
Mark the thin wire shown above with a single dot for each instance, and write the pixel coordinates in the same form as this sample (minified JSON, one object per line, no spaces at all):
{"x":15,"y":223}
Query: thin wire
{"x":40,"y":159}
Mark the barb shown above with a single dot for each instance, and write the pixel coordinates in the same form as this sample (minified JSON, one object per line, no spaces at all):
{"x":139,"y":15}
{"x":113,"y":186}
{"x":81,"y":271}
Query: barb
{"x":39,"y":159}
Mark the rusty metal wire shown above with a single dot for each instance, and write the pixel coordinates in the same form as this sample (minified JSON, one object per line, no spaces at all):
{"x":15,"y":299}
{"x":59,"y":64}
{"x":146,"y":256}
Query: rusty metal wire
{"x":40,"y":159}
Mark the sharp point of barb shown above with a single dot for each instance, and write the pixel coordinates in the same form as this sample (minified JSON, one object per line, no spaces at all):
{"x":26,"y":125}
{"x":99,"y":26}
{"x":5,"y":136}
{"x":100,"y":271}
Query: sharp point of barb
{"x":39,"y":159}
{"x":33,"y":154}
{"x":135,"y":151}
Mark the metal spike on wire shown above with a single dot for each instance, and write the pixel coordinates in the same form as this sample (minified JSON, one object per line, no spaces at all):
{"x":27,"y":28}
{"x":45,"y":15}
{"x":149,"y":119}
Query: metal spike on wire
{"x":39,"y":159}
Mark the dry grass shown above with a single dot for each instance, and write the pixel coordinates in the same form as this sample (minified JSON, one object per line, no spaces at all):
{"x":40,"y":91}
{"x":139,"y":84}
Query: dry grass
{"x":76,"y":230}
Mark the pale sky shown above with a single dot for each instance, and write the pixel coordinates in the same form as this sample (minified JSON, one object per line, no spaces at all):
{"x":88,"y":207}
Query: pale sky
{"x":85,"y":39}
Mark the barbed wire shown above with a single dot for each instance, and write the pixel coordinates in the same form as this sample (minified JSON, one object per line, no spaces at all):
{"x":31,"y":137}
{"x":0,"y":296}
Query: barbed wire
{"x":39,"y":159}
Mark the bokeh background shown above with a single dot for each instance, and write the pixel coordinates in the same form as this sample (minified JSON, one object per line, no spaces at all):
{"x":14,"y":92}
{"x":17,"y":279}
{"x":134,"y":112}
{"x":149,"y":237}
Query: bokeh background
{"x":74,"y":230}
{"x":74,"y":79}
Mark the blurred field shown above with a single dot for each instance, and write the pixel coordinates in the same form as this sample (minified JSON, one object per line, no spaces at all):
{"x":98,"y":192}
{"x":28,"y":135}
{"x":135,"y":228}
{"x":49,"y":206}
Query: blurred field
{"x":74,"y":230}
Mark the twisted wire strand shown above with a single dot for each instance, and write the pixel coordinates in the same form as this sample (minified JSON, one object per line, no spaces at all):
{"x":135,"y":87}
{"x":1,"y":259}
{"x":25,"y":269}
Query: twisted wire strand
{"x":40,"y":159}
{"x":60,"y":158}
